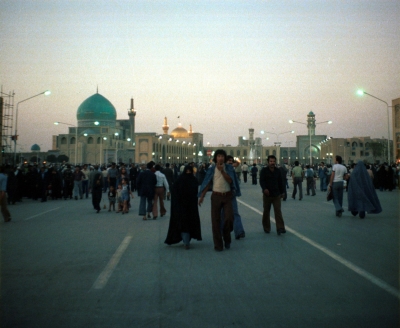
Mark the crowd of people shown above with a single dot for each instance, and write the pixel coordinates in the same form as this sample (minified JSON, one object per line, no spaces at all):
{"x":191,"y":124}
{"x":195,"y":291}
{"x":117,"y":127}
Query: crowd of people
{"x":186,"y":185}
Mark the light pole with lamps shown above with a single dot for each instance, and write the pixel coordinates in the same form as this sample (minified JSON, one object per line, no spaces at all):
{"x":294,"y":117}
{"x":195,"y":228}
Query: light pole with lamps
{"x":116,"y":147}
{"x":47,"y":92}
{"x":309,"y":131}
{"x":76,"y":136}
{"x":277,"y":135}
{"x":361,"y":93}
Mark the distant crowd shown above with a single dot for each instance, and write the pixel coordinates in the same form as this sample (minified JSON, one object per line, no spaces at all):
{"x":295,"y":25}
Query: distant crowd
{"x":186,"y":185}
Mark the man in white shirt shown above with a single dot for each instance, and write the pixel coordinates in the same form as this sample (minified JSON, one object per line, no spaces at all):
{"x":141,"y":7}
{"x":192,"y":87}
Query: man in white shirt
{"x":159,"y":192}
{"x":339,"y":173}
{"x":221,"y":177}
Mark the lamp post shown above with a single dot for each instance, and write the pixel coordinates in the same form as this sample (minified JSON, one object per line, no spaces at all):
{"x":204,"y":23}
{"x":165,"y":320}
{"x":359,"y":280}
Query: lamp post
{"x":116,"y":147}
{"x":101,"y":148}
{"x":361,"y":93}
{"x":76,"y":136}
{"x":277,"y":135}
{"x":47,"y":92}
{"x":309,"y":131}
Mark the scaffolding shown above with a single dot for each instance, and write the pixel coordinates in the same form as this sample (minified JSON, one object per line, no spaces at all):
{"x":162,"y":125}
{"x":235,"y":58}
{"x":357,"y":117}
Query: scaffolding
{"x":6,"y":110}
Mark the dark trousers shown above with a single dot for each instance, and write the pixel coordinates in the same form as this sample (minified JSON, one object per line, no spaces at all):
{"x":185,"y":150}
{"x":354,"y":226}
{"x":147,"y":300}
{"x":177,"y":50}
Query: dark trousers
{"x":276,"y":203}
{"x":219,"y":202}
{"x":310,"y":185}
{"x":244,"y":176}
{"x":254,"y":179}
{"x":297,"y":182}
{"x":85,"y":187}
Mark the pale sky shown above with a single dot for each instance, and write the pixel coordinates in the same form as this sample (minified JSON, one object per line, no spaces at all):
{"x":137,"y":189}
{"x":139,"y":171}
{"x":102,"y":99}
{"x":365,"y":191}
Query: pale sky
{"x":222,"y":66}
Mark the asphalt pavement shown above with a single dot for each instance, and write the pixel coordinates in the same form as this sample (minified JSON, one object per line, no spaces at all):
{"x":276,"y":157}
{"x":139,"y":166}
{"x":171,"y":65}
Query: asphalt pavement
{"x":64,"y":265}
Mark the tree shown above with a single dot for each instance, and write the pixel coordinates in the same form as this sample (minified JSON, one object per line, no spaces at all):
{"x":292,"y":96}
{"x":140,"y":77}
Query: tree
{"x":62,"y":158}
{"x":51,"y":158}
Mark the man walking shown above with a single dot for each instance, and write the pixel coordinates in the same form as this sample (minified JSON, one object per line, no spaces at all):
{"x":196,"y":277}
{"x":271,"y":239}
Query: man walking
{"x":145,"y":184}
{"x":112,"y":174}
{"x":221,"y":177}
{"x":78,"y":177}
{"x":160,"y":188}
{"x":272,"y":189}
{"x":339,"y":173}
{"x":310,"y":180}
{"x":254,"y":171}
{"x":322,"y":172}
{"x":245,"y":170}
{"x":297,"y":178}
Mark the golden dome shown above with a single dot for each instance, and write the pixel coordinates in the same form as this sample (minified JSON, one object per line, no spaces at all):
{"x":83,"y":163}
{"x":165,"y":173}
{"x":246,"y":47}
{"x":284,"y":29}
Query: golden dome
{"x":180,"y":132}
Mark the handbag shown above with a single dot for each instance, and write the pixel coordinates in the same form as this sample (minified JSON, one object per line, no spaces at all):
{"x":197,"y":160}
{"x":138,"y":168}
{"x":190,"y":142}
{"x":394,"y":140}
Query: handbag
{"x":329,"y":194}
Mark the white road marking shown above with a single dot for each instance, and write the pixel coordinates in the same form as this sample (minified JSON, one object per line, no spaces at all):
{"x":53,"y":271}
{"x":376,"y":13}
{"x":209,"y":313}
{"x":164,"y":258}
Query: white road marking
{"x":42,"y":213}
{"x":375,"y":280}
{"x":109,"y":269}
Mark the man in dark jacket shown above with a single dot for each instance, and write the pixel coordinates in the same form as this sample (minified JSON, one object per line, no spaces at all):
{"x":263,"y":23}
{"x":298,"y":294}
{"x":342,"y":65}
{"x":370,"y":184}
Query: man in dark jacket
{"x":272,"y":189}
{"x":146,"y":183}
{"x":254,"y":171}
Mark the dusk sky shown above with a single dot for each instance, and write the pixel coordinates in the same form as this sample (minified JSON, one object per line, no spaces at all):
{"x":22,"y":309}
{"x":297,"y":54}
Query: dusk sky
{"x":222,"y":66}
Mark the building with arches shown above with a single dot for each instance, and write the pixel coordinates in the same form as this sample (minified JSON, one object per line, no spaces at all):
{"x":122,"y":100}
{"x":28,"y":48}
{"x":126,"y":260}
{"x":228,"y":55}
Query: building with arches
{"x":352,"y":150}
{"x":179,"y":146}
{"x":100,"y":138}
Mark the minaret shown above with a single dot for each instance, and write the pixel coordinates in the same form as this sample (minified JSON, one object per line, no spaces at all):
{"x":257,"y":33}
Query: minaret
{"x":190,"y":130}
{"x":165,"y":127}
{"x":311,"y":123}
{"x":132,"y":114}
{"x":251,"y":137}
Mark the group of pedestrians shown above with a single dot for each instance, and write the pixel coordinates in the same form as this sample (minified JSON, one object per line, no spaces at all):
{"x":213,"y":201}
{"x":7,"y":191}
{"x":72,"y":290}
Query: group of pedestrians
{"x":187,"y":185}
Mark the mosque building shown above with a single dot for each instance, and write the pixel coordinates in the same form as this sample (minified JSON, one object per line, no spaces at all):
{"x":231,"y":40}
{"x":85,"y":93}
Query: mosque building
{"x":100,"y":138}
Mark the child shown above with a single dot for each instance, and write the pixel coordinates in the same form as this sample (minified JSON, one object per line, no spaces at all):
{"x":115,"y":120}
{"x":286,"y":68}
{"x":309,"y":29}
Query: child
{"x":119,"y":198}
{"x":111,"y":198}
{"x":125,"y":195}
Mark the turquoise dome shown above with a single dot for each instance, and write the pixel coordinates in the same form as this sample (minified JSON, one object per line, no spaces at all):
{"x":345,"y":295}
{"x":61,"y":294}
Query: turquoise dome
{"x":96,"y":108}
{"x":35,"y":147}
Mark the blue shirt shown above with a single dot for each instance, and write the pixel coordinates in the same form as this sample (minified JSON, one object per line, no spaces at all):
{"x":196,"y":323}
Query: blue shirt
{"x":3,"y":182}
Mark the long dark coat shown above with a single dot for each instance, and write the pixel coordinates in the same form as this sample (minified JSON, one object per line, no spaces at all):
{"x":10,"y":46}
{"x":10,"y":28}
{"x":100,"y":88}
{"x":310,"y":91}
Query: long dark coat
{"x":361,"y":194}
{"x":97,"y":190}
{"x":184,"y":209}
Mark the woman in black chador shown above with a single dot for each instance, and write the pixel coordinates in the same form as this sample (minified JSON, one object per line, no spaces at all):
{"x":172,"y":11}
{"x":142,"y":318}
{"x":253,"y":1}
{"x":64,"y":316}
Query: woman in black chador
{"x":184,"y":222}
{"x":97,"y":190}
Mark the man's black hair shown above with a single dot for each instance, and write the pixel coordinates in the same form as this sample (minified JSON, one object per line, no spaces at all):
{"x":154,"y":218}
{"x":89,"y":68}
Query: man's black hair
{"x":219,"y":152}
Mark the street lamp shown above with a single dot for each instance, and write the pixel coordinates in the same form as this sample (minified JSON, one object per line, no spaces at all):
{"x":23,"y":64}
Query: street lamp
{"x":46,"y":93}
{"x":361,"y":93}
{"x":76,"y":136}
{"x":101,"y":148}
{"x":277,"y":136}
{"x":116,"y":147}
{"x":309,"y":131}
